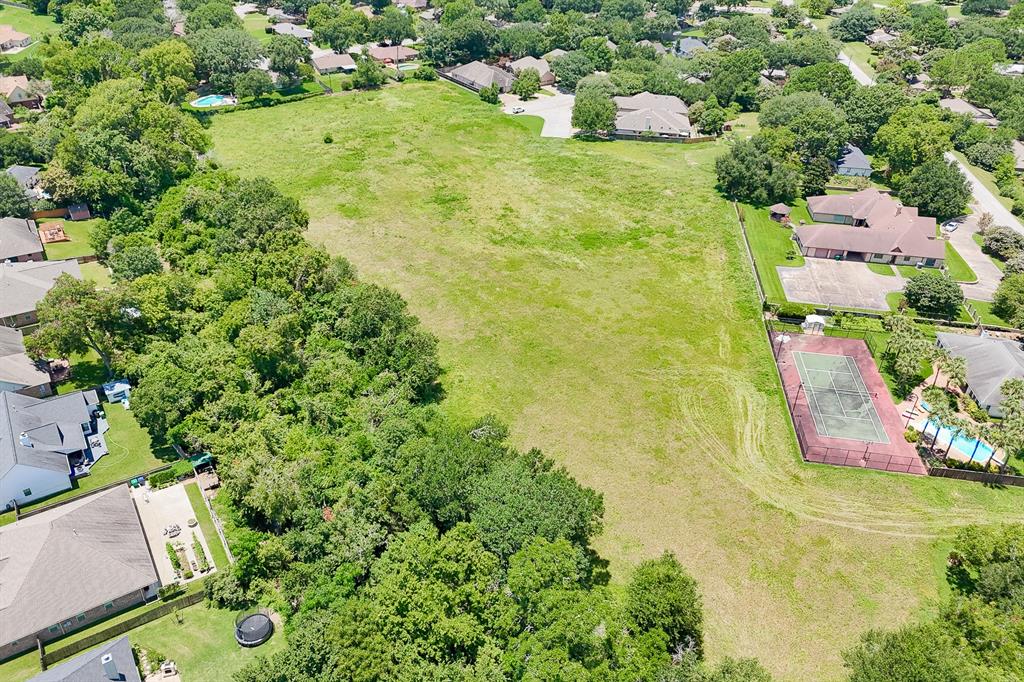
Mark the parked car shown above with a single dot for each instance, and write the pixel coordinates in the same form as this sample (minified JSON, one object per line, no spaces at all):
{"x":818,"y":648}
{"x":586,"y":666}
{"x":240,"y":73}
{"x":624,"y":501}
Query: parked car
{"x":517,"y":110}
{"x":952,"y":225}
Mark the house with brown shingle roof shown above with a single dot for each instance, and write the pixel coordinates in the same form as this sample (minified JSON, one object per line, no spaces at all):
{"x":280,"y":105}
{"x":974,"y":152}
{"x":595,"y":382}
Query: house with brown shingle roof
{"x":395,"y":54}
{"x":23,"y":286}
{"x":478,"y":75}
{"x":869,"y":226}
{"x":11,"y":39}
{"x":649,"y":116}
{"x":547,"y":77}
{"x":17,"y":92}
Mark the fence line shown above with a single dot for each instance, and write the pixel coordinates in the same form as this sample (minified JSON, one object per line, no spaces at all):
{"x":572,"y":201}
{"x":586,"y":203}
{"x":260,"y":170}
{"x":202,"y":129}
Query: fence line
{"x":750,"y":253}
{"x":977,"y":476}
{"x":108,"y":486}
{"x":49,"y":658}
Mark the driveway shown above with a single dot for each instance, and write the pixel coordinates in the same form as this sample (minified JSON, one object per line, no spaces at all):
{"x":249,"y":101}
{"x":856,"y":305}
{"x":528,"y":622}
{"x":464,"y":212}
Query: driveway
{"x":555,"y":109}
{"x":859,"y":74}
{"x":159,"y":509}
{"x":986,"y":201}
{"x":840,"y":283}
{"x":988,"y":274}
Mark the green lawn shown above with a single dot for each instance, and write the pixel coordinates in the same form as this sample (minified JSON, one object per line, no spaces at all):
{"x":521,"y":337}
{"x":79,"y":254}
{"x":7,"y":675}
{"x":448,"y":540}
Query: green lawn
{"x":36,"y":25}
{"x":861,"y":55}
{"x":772,"y":245}
{"x":202,"y":644}
{"x":218,"y":555}
{"x":255,"y":24}
{"x":78,"y":231}
{"x":131,"y":452}
{"x":986,"y":179}
{"x":596,"y":297}
{"x":957,"y":267}
{"x":980,"y":241}
{"x":96,"y":272}
{"x":881,"y":269}
{"x":984,"y":310}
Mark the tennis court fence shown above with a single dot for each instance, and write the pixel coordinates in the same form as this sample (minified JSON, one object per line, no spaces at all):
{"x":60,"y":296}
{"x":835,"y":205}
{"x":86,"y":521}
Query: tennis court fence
{"x":860,"y":457}
{"x":874,"y":339}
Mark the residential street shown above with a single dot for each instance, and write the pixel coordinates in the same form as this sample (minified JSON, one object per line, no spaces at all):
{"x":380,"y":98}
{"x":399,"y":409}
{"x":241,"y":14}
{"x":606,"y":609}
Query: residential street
{"x":858,"y":73}
{"x":987,"y":201}
{"x":988,"y":274}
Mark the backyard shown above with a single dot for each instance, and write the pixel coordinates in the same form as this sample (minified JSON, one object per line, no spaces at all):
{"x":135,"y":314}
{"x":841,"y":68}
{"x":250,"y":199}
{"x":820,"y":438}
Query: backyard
{"x":26,"y":21}
{"x":199,"y":639}
{"x":195,"y":496}
{"x":78,"y":233}
{"x":597,"y":298}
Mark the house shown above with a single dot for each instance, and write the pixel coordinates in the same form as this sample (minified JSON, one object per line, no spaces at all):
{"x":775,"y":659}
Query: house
{"x":17,"y":92}
{"x":396,"y":54}
{"x":554,"y":54}
{"x":365,"y":10}
{"x":18,"y":372}
{"x":68,"y":567}
{"x":920,"y":82}
{"x":646,"y":116}
{"x":477,"y":75}
{"x":417,"y":5}
{"x":23,"y":285}
{"x":880,"y":38}
{"x":965,"y":108}
{"x":279,"y":15}
{"x":117,"y":390}
{"x":27,"y":176}
{"x":1009,"y":69}
{"x":331,"y":62}
{"x":658,"y":48}
{"x":853,"y":162}
{"x":547,"y":77}
{"x":19,"y":241}
{"x":112,"y":661}
{"x":687,"y":47}
{"x":11,"y":39}
{"x":290,"y":29}
{"x":777,"y":76}
{"x":1018,"y":156}
{"x":779,"y":212}
{"x":990,"y":362}
{"x":869,"y":226}
{"x":6,"y":115}
{"x":46,"y":442}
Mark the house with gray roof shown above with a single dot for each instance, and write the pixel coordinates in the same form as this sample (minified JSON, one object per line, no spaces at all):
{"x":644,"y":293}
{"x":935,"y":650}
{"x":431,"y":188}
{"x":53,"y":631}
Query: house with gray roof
{"x":19,"y":240}
{"x":70,"y":566}
{"x":18,"y":372}
{"x":23,"y":286}
{"x":45,"y":442}
{"x":290,"y":29}
{"x":990,"y":362}
{"x":27,"y":177}
{"x":853,"y":162}
{"x":547,"y":77}
{"x":965,"y":108}
{"x":687,"y":47}
{"x":330,"y":62}
{"x":478,"y":75}
{"x":649,"y":116}
{"x":112,"y":661}
{"x":869,"y":226}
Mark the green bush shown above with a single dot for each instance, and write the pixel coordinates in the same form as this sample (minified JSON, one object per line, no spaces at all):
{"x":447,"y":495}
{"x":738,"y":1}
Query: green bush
{"x":188,"y":573}
{"x":912,"y":435}
{"x":170,"y":591}
{"x":328,"y":138}
{"x":795,"y":310}
{"x":162,"y":478}
{"x":197,"y":548}
{"x":172,"y":554}
{"x":973,"y":409}
{"x":425,"y":73}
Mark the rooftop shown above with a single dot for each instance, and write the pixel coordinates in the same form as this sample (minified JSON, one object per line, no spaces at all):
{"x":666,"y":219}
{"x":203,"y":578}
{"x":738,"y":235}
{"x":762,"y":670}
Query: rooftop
{"x":18,"y":237}
{"x":17,"y":369}
{"x":990,"y":362}
{"x":88,"y":667}
{"x":98,"y":536}
{"x":23,"y":285}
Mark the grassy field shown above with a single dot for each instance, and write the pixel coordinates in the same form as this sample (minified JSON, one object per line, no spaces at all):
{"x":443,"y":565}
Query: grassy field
{"x":217,"y":554}
{"x":78,"y":231}
{"x":36,"y":25}
{"x":597,"y":298}
{"x":255,"y":24}
{"x":986,"y":178}
{"x":96,"y":272}
{"x":772,"y":245}
{"x":861,"y":55}
{"x":199,"y":639}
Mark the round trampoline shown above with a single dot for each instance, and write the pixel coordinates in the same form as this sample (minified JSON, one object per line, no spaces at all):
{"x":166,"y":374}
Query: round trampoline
{"x":253,"y":628}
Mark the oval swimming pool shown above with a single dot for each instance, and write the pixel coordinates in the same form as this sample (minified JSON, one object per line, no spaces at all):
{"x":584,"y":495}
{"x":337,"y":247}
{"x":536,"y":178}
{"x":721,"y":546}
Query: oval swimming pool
{"x":212,"y":101}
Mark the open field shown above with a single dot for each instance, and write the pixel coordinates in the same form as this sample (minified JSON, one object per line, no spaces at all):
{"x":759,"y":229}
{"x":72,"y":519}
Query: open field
{"x":255,"y":24}
{"x":596,"y":297}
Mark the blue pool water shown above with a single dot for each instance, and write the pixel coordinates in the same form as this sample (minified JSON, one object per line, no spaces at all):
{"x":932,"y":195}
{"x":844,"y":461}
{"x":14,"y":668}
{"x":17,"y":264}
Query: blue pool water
{"x":408,"y":67}
{"x":211,"y":101}
{"x":981,"y":450}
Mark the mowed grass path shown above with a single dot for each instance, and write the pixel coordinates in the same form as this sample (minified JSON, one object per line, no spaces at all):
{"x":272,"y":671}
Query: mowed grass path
{"x":596,"y":297}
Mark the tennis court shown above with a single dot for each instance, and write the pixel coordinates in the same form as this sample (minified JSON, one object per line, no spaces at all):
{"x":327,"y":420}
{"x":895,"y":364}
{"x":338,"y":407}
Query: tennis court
{"x":839,"y":401}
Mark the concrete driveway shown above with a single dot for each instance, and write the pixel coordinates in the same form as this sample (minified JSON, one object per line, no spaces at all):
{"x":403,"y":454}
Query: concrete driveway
{"x":840,"y":283}
{"x":555,"y":109}
{"x":988,"y":274}
{"x":159,"y":509}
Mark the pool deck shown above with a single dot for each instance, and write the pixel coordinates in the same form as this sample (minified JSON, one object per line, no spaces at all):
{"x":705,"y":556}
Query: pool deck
{"x":897,"y":456}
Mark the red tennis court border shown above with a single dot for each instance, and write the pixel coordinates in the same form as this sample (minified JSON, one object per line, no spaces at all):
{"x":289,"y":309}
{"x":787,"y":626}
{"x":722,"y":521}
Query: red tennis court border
{"x":897,"y":455}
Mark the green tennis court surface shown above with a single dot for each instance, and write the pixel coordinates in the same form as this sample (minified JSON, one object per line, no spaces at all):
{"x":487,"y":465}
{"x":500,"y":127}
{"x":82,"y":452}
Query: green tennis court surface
{"x":839,"y":401}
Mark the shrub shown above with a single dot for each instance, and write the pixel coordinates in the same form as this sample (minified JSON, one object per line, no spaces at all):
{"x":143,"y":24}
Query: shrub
{"x":197,"y":549}
{"x":795,"y":311}
{"x":161,"y":478}
{"x":934,"y":293}
{"x":170,"y":591}
{"x":973,"y":409}
{"x":188,"y":574}
{"x":490,"y":94}
{"x":912,"y":435}
{"x":425,"y":73}
{"x":223,"y":590}
{"x":172,"y":554}
{"x":328,"y":138}
{"x":1002,"y":242}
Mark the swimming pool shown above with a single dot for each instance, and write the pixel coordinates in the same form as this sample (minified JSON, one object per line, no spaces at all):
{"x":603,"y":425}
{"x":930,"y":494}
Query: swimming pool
{"x":977,"y":450}
{"x":408,"y":67}
{"x":212,"y":101}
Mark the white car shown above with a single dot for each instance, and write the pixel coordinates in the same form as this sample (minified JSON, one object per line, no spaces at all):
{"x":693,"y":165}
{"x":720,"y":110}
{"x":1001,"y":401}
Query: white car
{"x":517,"y":110}
{"x":951,"y":225}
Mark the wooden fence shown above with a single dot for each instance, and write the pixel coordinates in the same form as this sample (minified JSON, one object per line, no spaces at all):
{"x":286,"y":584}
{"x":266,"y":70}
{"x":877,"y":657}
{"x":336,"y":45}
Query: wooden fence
{"x":39,"y":510}
{"x":47,"y":658}
{"x":977,"y":476}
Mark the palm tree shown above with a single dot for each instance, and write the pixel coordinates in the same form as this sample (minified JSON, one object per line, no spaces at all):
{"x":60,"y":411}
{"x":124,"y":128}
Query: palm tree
{"x":956,"y":371}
